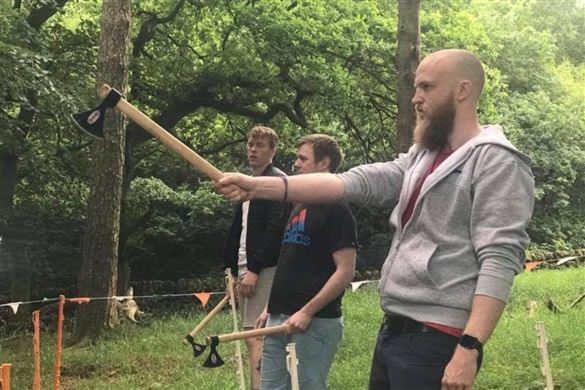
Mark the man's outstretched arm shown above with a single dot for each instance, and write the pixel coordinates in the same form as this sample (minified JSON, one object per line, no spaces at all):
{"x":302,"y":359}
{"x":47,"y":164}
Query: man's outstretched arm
{"x":316,"y":188}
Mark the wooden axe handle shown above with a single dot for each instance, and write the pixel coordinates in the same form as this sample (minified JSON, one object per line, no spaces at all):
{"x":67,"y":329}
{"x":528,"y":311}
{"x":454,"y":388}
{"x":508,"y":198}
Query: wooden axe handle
{"x":163,"y":136}
{"x":250,"y":333}
{"x":209,"y":316}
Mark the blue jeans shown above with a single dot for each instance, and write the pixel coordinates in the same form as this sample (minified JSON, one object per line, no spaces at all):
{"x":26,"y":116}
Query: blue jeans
{"x":411,"y":361}
{"x":315,"y":348}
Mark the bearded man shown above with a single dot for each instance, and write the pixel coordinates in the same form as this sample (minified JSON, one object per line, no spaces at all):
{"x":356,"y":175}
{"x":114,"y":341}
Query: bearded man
{"x":461,"y":200}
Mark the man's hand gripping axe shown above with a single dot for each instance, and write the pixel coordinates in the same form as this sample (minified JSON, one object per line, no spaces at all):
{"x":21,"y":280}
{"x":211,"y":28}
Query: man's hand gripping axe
{"x":214,"y":360}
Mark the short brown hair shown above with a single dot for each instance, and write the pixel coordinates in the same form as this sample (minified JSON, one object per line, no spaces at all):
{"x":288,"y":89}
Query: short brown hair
{"x":264,"y":132}
{"x":324,"y":146}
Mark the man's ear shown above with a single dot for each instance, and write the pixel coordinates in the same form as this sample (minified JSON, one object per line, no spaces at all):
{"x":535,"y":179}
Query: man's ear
{"x":464,"y":90}
{"x":324,"y":164}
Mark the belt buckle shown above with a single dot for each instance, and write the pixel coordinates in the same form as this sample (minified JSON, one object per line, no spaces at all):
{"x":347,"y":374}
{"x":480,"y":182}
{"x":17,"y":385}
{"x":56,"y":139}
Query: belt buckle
{"x":396,"y":323}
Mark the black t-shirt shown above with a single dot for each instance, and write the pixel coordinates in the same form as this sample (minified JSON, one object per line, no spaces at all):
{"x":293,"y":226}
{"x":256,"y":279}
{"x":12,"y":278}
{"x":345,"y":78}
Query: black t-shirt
{"x":312,"y":234}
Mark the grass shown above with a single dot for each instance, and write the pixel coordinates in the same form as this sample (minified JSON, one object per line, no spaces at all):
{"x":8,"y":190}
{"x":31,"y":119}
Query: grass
{"x":151,"y":355}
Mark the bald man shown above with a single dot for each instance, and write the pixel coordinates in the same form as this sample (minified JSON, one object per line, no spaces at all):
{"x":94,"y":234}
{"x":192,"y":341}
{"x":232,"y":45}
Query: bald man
{"x":461,"y":200}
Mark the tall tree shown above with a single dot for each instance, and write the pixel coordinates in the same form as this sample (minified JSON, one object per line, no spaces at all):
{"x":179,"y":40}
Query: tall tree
{"x":407,"y":62}
{"x":100,"y":248}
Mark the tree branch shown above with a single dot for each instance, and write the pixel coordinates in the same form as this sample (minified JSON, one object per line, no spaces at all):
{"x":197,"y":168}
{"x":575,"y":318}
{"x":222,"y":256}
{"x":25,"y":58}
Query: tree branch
{"x":148,"y":28}
{"x":38,"y":16}
{"x":351,"y":126}
{"x":190,"y":103}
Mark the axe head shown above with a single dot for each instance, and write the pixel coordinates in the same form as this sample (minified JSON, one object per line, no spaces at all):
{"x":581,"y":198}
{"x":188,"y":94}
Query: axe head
{"x":197,"y":348}
{"x":92,"y":121}
{"x":213,"y":360}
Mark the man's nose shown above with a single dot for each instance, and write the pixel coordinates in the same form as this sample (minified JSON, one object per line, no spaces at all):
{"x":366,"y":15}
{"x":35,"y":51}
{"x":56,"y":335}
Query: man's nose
{"x":416,"y":99}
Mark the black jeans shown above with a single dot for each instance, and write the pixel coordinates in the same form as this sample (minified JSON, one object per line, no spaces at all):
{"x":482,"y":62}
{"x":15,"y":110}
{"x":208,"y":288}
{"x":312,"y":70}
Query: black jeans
{"x":411,"y":361}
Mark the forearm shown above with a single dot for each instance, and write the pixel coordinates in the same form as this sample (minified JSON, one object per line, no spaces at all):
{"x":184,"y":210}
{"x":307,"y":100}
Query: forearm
{"x":485,"y":314}
{"x":309,"y":188}
{"x":461,"y":371}
{"x":332,"y":289}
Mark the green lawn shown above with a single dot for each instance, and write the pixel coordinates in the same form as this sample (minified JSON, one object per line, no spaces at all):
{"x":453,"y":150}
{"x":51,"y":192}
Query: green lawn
{"x":151,"y":356}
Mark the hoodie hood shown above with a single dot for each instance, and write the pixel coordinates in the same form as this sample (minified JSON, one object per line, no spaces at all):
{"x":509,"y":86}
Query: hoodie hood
{"x":494,"y":134}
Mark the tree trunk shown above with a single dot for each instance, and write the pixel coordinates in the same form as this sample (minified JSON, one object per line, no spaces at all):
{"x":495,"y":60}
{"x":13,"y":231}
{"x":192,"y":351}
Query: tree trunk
{"x":408,"y":60}
{"x":98,"y":273}
{"x":21,"y":280}
{"x":123,"y":264}
{"x":8,"y":178}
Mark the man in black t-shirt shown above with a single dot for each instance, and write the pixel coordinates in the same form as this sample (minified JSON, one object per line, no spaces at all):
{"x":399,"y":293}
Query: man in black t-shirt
{"x":317,"y":262}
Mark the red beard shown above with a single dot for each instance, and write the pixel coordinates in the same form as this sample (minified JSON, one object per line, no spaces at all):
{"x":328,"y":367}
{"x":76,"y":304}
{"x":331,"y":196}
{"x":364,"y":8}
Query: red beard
{"x":433,"y":132}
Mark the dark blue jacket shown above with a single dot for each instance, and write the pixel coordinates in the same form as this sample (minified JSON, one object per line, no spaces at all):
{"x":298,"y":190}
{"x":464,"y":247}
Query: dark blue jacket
{"x":266,"y":221}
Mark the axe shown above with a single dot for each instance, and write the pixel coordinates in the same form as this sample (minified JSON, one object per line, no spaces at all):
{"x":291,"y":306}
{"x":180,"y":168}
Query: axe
{"x":214,"y":360}
{"x":189,"y":339}
{"x":92,"y":122}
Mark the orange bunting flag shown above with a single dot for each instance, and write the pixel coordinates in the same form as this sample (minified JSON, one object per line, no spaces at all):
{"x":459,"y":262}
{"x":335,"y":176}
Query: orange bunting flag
{"x":79,"y":300}
{"x":203,"y":297}
{"x":530,"y":266}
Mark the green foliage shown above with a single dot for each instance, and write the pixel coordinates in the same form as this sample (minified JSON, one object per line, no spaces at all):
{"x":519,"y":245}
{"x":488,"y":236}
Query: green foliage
{"x":212,"y":69}
{"x":39,"y":77}
{"x":553,"y":134}
{"x":188,"y":226}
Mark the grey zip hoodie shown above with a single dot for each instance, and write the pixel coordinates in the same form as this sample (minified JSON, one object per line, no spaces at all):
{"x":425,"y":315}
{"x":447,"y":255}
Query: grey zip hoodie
{"x":467,"y":233}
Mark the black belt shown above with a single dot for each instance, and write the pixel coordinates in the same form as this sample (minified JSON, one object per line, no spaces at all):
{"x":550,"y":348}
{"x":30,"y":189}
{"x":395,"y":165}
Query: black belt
{"x":395,"y":323}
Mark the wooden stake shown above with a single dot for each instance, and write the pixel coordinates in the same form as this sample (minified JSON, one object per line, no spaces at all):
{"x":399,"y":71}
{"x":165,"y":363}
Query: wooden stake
{"x":230,"y":285}
{"x":291,"y":365}
{"x":5,"y":376}
{"x":542,"y":347}
{"x":58,"y":349}
{"x":36,"y":319}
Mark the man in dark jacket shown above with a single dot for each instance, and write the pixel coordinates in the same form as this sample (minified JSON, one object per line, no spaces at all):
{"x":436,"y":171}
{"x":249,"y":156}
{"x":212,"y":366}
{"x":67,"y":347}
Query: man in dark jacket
{"x":254,"y":242}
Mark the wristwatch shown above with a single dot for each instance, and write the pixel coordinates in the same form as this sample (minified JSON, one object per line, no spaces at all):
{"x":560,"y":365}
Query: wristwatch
{"x":470,"y":342}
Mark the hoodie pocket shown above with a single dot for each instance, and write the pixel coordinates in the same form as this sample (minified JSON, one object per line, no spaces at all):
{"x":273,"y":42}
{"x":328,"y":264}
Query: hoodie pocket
{"x":409,"y":278}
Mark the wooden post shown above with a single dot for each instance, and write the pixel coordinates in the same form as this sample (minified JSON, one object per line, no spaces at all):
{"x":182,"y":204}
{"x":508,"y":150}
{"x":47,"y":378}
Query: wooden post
{"x":36,"y":319}
{"x":230,"y":285}
{"x":291,"y":365}
{"x":542,"y":347}
{"x":5,"y":376}
{"x":58,"y":349}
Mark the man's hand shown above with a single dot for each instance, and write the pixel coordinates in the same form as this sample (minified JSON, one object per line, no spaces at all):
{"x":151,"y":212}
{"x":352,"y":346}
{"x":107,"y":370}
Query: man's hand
{"x":262,"y":318}
{"x":235,"y":187}
{"x":300,"y":321}
{"x":461,"y":370}
{"x":248,"y":284}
